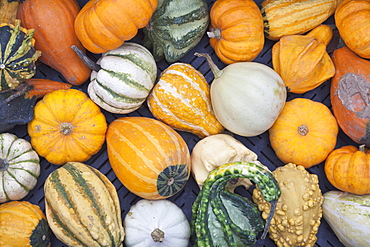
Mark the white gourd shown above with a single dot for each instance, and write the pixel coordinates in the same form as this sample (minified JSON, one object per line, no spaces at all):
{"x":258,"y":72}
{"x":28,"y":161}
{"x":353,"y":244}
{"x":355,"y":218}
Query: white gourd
{"x":125,"y":78}
{"x":19,"y":167}
{"x":247,"y":97}
{"x":156,"y":223}
{"x":348,"y":215}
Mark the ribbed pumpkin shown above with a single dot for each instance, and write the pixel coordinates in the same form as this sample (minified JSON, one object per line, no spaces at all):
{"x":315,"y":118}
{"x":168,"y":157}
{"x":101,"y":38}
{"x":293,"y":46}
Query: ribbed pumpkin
{"x":67,"y":126}
{"x":286,"y":17}
{"x":181,"y":98}
{"x":23,"y":224}
{"x":18,"y":55}
{"x":175,"y":28}
{"x":54,"y":34}
{"x":352,"y":18}
{"x":148,"y":157}
{"x":104,"y":25}
{"x":19,"y":167}
{"x":348,"y":94}
{"x":347,"y":168}
{"x":304,"y":133}
{"x":125,"y":78}
{"x":236,"y":30}
{"x":302,"y":60}
{"x":82,"y":207}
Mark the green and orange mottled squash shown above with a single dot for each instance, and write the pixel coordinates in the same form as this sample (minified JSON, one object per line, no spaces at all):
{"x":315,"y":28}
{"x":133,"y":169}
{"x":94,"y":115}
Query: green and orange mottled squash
{"x":286,"y":17}
{"x":67,"y":126}
{"x":23,"y":224}
{"x":181,"y":98}
{"x":150,"y":158}
{"x":82,"y":207}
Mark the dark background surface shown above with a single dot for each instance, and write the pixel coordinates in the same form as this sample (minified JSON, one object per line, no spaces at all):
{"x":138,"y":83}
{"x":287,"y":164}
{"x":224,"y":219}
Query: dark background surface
{"x":184,"y":199}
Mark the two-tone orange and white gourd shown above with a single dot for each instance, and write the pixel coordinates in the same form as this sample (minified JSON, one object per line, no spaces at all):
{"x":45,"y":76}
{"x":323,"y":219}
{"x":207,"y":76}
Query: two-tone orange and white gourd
{"x":150,"y":158}
{"x":181,"y":98}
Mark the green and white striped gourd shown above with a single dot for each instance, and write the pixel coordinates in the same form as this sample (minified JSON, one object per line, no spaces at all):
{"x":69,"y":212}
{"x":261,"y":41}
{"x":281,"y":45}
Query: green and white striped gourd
{"x":124,"y":80}
{"x":82,"y":207}
{"x":223,"y":218}
{"x":19,"y":167}
{"x":17,"y":55}
{"x":175,"y":28}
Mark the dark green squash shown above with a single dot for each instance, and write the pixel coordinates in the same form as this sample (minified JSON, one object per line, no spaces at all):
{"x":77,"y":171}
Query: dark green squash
{"x":175,"y":28}
{"x":223,"y":218}
{"x":17,"y":55}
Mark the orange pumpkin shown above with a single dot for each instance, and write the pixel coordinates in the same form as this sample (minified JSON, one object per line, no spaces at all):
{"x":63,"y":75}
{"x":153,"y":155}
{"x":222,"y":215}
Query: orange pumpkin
{"x":304,"y":133}
{"x":67,"y":126}
{"x":53,"y":23}
{"x":236,"y":31}
{"x":104,"y":25}
{"x":148,"y":157}
{"x":23,"y":224}
{"x":348,"y":94}
{"x":348,"y":169}
{"x":352,"y":18}
{"x":181,"y":98}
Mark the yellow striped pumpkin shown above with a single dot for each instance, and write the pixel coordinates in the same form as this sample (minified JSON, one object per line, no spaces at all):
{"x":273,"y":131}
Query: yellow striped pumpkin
{"x":150,"y":158}
{"x":286,"y":17}
{"x":181,"y":99}
{"x":82,"y":207}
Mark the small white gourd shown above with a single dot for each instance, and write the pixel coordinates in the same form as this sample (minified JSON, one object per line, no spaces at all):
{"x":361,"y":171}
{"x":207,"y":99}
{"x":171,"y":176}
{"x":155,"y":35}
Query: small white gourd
{"x":151,"y":223}
{"x":19,"y":167}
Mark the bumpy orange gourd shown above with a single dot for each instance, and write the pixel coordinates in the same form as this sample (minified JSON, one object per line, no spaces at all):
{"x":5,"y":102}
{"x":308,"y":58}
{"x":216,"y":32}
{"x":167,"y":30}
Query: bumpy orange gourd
{"x":302,"y":60}
{"x":67,"y":126}
{"x":104,"y":25}
{"x":348,"y":169}
{"x":181,"y":98}
{"x":148,"y":157}
{"x":352,"y":18}
{"x":304,"y":133}
{"x":236,"y":30}
{"x":54,"y":34}
{"x":23,"y":224}
{"x":348,"y":94}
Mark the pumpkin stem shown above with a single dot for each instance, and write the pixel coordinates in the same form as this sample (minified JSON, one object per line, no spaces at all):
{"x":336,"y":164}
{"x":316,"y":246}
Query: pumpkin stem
{"x":89,"y":63}
{"x":8,"y":11}
{"x":215,"y":70}
{"x":66,"y":128}
{"x":303,"y":130}
{"x":4,"y":164}
{"x":214,"y":34}
{"x":362,"y":148}
{"x":157,"y":235}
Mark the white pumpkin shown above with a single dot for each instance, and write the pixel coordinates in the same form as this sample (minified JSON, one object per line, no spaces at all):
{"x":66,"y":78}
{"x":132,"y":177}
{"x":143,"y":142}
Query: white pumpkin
{"x":156,"y":223}
{"x":247,"y":97}
{"x":19,"y":167}
{"x":125,"y":78}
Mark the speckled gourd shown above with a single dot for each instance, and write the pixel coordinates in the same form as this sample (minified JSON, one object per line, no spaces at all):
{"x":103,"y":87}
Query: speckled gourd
{"x":299,"y":209}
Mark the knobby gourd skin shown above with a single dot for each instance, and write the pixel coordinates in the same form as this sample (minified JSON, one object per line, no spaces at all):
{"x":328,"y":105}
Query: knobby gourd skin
{"x":219,"y":217}
{"x":298,"y":212}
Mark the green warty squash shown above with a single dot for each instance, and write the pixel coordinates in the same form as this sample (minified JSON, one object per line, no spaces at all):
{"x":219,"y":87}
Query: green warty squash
{"x":223,"y":218}
{"x":82,"y":207}
{"x":17,"y":55}
{"x":175,"y":28}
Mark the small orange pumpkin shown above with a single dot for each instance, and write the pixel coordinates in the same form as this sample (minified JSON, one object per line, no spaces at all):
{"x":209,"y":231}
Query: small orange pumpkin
{"x":23,"y":224}
{"x":181,"y":98}
{"x":352,"y":18}
{"x":348,"y":169}
{"x":348,"y":94}
{"x":304,"y":133}
{"x":67,"y":126}
{"x":148,"y":157}
{"x":104,"y":25}
{"x":236,"y":31}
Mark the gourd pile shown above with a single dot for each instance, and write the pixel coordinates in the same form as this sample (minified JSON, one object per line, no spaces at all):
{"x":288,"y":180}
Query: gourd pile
{"x":184,"y":123}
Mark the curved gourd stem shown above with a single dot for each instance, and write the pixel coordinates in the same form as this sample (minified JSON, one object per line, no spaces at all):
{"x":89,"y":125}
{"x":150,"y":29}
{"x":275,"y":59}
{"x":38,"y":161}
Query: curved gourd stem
{"x":90,"y":63}
{"x":215,"y":70}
